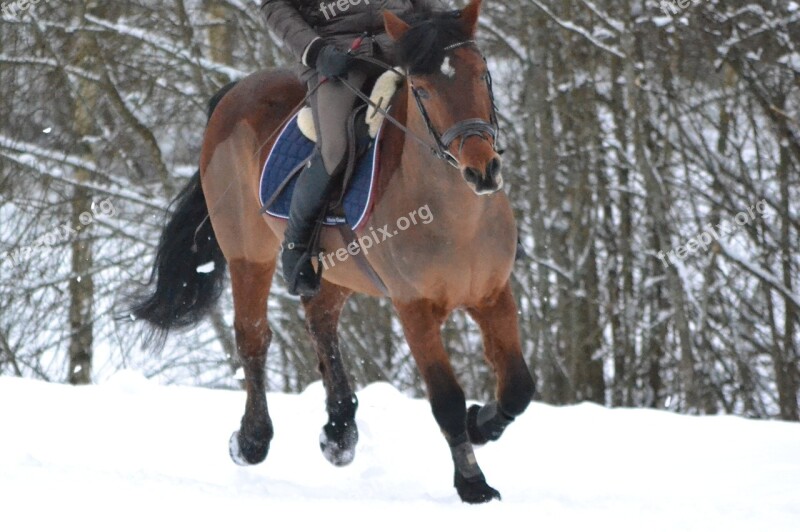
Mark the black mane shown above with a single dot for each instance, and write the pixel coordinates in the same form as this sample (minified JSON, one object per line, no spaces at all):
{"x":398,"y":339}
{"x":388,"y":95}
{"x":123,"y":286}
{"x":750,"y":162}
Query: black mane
{"x":422,"y":49}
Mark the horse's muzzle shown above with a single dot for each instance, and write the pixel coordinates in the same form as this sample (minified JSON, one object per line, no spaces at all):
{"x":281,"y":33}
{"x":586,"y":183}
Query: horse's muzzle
{"x":485,"y":181}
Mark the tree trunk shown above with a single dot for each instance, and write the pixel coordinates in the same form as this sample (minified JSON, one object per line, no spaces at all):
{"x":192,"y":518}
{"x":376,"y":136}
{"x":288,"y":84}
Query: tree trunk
{"x":81,"y":282}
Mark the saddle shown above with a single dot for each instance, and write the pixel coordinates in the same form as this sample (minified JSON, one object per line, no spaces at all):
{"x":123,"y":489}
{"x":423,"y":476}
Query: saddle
{"x":350,"y":200}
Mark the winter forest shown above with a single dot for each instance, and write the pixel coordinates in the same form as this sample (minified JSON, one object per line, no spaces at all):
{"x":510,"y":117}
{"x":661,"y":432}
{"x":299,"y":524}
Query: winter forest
{"x":652,"y":156}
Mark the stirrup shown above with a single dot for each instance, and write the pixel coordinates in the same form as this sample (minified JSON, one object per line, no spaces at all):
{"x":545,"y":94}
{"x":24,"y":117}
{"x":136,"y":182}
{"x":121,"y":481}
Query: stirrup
{"x":304,"y":280}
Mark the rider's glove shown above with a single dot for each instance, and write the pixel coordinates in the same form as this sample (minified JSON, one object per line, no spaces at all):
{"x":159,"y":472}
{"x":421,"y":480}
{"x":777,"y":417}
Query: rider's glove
{"x":327,"y":59}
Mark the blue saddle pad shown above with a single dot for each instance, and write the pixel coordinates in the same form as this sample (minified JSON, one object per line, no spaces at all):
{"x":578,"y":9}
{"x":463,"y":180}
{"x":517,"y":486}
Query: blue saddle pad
{"x":290,"y":150}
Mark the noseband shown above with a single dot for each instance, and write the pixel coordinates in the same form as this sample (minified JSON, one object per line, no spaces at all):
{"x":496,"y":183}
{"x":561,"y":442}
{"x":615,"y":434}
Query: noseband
{"x":471,"y":127}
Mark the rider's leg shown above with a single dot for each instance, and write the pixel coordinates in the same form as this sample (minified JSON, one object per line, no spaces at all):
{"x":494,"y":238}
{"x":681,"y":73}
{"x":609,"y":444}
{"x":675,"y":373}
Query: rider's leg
{"x":331,"y":105}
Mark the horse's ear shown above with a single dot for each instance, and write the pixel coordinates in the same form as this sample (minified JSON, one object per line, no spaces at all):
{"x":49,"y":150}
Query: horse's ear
{"x":395,"y":26}
{"x":469,"y":17}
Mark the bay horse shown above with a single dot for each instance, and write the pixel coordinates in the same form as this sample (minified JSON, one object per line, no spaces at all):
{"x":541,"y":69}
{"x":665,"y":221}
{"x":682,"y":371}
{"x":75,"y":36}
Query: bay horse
{"x":463,"y":259}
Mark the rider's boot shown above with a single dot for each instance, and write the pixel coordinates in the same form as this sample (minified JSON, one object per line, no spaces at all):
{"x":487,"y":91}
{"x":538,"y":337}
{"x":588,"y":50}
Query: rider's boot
{"x":309,"y":198}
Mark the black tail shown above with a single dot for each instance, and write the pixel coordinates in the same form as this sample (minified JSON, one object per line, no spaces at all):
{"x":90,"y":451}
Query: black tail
{"x":189,"y":271}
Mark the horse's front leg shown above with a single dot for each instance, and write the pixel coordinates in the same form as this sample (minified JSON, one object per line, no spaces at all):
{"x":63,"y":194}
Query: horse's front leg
{"x":340,"y":434}
{"x":497,"y":318}
{"x":422,"y":321}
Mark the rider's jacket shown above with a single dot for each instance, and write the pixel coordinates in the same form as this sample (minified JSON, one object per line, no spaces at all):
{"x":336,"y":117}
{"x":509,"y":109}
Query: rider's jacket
{"x":300,"y":22}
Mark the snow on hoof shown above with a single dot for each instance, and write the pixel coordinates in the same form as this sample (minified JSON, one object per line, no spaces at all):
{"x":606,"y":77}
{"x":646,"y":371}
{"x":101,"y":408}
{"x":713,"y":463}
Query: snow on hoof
{"x":249,"y":454}
{"x":475,"y":490}
{"x":338,"y":443}
{"x":233,"y":448}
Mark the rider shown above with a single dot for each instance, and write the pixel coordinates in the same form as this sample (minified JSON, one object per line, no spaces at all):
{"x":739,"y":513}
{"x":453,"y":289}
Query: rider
{"x":320,"y":35}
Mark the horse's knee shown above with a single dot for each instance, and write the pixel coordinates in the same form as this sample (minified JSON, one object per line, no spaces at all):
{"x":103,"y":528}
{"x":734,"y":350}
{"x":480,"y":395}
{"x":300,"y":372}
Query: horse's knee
{"x":449,"y":406}
{"x":517,"y":393}
{"x":252,"y":338}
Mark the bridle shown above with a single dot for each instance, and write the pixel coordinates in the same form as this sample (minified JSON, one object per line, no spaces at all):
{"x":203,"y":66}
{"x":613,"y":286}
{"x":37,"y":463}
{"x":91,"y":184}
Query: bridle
{"x":471,"y":127}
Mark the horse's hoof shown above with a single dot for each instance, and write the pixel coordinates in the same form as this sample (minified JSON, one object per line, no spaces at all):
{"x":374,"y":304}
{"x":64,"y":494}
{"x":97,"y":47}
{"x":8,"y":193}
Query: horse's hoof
{"x":486,"y":423}
{"x":246,"y":452}
{"x":475,"y":490}
{"x":338,"y":442}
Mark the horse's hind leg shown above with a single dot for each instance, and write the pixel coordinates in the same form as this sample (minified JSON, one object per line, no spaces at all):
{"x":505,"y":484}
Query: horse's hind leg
{"x":340,"y":435}
{"x":251,"y":282}
{"x":497,"y":318}
{"x":422,"y":322}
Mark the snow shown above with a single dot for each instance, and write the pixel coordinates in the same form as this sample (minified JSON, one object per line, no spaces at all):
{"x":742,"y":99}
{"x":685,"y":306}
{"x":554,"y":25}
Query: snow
{"x":660,"y":22}
{"x":208,"y":267}
{"x":157,"y":42}
{"x":130,"y":454}
{"x":575,"y":28}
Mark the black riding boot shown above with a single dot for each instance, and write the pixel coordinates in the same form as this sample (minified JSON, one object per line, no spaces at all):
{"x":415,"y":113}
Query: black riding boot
{"x":309,"y":198}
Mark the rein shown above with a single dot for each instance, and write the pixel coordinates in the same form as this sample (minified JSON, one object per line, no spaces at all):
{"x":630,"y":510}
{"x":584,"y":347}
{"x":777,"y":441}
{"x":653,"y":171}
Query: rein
{"x":358,"y":92}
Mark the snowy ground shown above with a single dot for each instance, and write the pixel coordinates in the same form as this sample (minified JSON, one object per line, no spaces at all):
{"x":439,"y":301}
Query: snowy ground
{"x":132,"y":455}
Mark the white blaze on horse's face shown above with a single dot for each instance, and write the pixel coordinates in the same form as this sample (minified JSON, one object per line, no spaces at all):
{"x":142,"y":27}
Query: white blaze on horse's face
{"x":447,"y":69}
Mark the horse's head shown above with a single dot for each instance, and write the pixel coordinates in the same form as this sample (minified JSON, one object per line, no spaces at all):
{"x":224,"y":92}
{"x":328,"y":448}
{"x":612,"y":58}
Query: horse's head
{"x":449,"y":80}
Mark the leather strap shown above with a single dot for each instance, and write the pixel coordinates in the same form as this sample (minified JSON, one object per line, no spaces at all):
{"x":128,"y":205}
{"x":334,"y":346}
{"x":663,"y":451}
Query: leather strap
{"x":284,"y":184}
{"x":363,"y":264}
{"x":473,"y":127}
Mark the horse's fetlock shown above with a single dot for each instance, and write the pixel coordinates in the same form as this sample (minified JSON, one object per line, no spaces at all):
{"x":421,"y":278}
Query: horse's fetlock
{"x":258,"y":431}
{"x":464,"y":457}
{"x":343,"y":410}
{"x":487,"y":423}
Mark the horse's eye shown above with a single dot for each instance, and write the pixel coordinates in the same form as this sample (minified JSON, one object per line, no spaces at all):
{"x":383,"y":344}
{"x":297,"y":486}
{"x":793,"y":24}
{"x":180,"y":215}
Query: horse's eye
{"x":422,"y":93}
{"x":485,"y":76}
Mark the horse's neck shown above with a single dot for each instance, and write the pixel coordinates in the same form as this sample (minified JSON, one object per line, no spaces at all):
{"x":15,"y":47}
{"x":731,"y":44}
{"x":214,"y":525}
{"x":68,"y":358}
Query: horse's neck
{"x":448,"y":223}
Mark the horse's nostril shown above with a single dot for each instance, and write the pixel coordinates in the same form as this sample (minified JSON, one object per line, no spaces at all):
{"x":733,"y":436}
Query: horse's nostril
{"x":493,"y":168}
{"x":473,"y":175}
